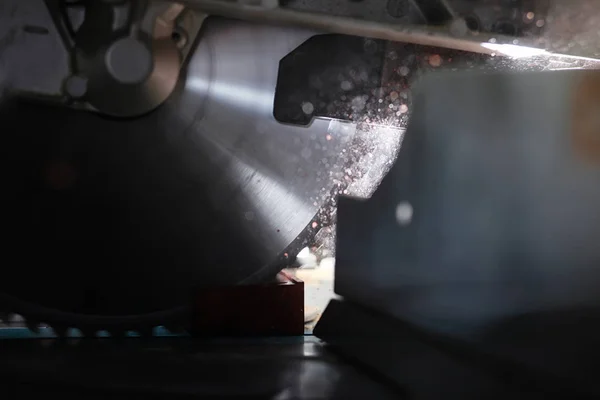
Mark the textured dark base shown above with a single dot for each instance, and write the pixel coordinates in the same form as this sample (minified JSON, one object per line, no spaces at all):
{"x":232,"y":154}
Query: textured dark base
{"x":284,"y":368}
{"x":432,"y":367}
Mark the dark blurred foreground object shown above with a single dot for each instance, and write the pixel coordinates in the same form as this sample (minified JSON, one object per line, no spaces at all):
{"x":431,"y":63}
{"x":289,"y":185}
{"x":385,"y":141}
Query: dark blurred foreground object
{"x":482,"y":239}
{"x":269,"y":309}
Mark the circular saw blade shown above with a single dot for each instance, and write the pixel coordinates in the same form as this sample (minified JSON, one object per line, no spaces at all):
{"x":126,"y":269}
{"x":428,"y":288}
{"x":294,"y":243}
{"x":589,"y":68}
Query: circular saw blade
{"x":112,"y":222}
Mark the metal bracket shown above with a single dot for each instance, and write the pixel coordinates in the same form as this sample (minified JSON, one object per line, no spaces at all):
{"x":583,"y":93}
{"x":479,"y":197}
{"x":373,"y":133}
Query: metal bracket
{"x":116,"y":58}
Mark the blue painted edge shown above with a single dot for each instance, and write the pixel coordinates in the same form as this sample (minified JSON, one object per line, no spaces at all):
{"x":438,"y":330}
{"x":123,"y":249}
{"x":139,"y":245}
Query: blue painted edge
{"x":47,"y":332}
{"x":159,"y":331}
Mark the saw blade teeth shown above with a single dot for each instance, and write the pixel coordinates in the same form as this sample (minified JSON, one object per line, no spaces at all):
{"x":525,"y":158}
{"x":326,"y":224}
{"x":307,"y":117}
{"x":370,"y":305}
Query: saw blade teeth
{"x":103,"y":334}
{"x":15,"y":319}
{"x":75,"y":333}
{"x":50,"y":326}
{"x":73,"y":337}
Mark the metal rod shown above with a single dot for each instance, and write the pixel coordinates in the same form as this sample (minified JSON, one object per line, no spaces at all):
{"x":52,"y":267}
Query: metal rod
{"x":427,"y":36}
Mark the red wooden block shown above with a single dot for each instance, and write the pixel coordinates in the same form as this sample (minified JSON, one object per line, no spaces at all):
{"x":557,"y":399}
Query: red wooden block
{"x":254,"y":310}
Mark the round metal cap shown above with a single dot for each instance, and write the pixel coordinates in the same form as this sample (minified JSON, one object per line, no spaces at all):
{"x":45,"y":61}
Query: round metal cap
{"x":129,"y":61}
{"x":76,"y":86}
